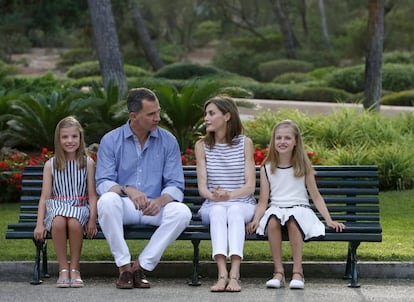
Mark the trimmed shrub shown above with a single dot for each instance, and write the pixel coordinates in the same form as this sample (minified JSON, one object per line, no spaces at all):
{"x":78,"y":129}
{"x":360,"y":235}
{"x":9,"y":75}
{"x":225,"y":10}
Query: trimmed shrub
{"x":91,"y":68}
{"x":237,"y":92}
{"x":350,"y":79}
{"x":242,"y":61}
{"x":271,"y":69}
{"x":186,"y":71}
{"x":75,"y":56}
{"x":325,"y":94}
{"x":205,"y":32}
{"x":398,"y":57}
{"x":395,"y":77}
{"x":292,"y":78}
{"x":402,"y":98}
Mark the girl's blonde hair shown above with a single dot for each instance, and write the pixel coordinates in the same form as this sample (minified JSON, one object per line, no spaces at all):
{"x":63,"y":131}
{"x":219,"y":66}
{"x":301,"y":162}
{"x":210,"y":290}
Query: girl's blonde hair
{"x":234,"y":125}
{"x":300,"y":161}
{"x":60,"y":158}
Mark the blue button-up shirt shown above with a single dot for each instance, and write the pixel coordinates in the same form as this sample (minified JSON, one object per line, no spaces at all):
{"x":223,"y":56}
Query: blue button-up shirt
{"x":155,"y":169}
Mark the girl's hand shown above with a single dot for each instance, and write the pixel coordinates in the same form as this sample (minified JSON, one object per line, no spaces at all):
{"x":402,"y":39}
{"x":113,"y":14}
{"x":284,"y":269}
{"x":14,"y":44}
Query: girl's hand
{"x":252,"y":227}
{"x":40,"y":233}
{"x":338,"y":226}
{"x":91,"y":229}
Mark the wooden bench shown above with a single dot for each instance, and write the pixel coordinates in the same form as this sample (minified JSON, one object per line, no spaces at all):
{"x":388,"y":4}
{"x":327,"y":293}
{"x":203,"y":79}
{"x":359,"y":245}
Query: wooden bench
{"x":351,"y":194}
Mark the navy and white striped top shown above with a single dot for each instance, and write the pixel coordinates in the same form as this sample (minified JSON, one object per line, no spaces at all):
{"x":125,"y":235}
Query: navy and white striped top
{"x":226,"y":167}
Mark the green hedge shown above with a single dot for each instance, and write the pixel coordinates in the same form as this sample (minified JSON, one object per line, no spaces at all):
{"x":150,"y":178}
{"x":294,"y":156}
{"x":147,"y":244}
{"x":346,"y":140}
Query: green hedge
{"x":91,"y":68}
{"x":271,"y":69}
{"x":395,"y":77}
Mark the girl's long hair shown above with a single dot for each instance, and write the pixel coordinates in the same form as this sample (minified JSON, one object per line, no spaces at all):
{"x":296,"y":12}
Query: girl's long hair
{"x":234,"y":125}
{"x":300,"y":161}
{"x":60,"y":158}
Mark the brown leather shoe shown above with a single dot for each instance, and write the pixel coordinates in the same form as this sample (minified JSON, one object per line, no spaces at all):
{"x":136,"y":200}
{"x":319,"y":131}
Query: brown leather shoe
{"x":125,"y":281}
{"x":139,"y":279}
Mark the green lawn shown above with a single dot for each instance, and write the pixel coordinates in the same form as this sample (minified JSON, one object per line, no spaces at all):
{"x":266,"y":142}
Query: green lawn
{"x":397,"y":209}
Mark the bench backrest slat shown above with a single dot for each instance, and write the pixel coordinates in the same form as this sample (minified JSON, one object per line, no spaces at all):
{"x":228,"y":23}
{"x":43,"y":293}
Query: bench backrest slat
{"x":350,"y":192}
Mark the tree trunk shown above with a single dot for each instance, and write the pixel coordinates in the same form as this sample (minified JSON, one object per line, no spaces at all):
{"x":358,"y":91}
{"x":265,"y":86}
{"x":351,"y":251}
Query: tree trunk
{"x":286,"y":29}
{"x":148,"y":46}
{"x":373,"y":74}
{"x":324,"y":25}
{"x":107,"y":44}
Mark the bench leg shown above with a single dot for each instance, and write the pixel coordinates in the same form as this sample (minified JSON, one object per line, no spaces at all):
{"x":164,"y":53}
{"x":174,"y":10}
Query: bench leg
{"x":196,"y":257}
{"x":36,"y":269}
{"x":45,"y":273}
{"x":351,"y":270}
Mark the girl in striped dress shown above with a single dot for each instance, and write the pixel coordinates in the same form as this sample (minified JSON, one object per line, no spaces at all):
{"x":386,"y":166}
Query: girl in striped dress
{"x":226,"y":179}
{"x":67,"y":205}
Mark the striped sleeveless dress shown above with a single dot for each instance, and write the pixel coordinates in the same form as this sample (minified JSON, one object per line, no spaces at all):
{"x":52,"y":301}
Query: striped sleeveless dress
{"x":225,"y":168}
{"x":69,"y":194}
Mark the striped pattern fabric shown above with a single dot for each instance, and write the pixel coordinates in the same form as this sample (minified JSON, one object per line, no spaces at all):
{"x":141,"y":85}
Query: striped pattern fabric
{"x":225,"y":167}
{"x":69,"y":194}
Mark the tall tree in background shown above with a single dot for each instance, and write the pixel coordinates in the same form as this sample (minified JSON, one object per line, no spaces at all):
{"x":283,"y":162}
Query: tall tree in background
{"x":324,"y":25}
{"x":286,"y":29}
{"x":107,"y":44}
{"x":373,"y":74}
{"x":148,"y":45}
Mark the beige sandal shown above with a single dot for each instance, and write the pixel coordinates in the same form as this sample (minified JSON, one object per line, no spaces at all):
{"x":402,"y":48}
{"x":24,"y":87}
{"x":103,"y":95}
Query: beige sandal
{"x":220,"y":285}
{"x":233,"y":286}
{"x":75,"y":282}
{"x":63,"y":282}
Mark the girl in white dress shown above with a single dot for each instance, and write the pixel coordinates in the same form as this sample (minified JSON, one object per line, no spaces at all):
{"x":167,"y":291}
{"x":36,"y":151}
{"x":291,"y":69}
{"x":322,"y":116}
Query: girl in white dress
{"x":286,"y":177}
{"x":67,"y":205}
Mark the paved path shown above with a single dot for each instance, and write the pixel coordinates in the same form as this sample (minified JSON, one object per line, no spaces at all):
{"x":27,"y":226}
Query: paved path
{"x":313,"y":107}
{"x":170,"y":290}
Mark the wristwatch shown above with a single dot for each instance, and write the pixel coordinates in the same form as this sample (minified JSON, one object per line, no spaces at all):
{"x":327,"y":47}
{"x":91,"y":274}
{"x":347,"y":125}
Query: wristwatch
{"x":123,"y":191}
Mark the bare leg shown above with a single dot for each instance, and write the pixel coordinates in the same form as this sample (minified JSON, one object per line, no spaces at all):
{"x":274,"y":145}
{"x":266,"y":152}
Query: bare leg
{"x":274,"y":232}
{"x":75,"y":243}
{"x":222,"y":274}
{"x":234,"y":285}
{"x":296,"y":243}
{"x":59,"y":235}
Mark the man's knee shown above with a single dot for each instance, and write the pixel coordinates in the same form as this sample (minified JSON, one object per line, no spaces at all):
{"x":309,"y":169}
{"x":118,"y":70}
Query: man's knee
{"x":109,"y":202}
{"x":181,"y":211}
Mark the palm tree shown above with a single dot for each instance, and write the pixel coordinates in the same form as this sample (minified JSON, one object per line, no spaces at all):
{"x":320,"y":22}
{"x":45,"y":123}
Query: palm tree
{"x":182,"y":111}
{"x":31,"y":120}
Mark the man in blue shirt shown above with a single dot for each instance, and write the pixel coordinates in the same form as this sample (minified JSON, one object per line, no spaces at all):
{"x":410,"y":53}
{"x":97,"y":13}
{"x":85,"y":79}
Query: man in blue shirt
{"x":139,"y":178}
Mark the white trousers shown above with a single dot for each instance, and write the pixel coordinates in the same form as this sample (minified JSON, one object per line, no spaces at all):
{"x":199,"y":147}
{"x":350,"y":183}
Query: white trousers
{"x":115,"y":211}
{"x":227,"y":226}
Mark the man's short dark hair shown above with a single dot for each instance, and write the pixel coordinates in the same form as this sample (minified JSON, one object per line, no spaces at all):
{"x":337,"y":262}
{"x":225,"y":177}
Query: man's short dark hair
{"x":136,"y":96}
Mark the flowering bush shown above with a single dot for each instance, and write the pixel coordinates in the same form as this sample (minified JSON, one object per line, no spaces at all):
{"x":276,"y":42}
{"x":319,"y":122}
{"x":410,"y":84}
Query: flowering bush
{"x":12,"y":162}
{"x":188,"y":157}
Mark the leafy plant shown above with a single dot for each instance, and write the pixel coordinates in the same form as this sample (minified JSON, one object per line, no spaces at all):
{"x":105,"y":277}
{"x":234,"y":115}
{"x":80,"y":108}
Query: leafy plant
{"x":182,"y":110}
{"x":32,"y":119}
{"x":106,"y":114}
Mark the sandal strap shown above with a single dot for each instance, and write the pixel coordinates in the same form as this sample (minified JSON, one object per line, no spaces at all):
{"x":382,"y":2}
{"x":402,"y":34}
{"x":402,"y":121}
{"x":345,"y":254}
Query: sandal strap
{"x":299,"y":273}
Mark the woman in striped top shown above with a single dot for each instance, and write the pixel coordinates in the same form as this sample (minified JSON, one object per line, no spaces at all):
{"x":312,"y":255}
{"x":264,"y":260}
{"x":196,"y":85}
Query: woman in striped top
{"x":226,"y":179}
{"x":68,"y":200}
